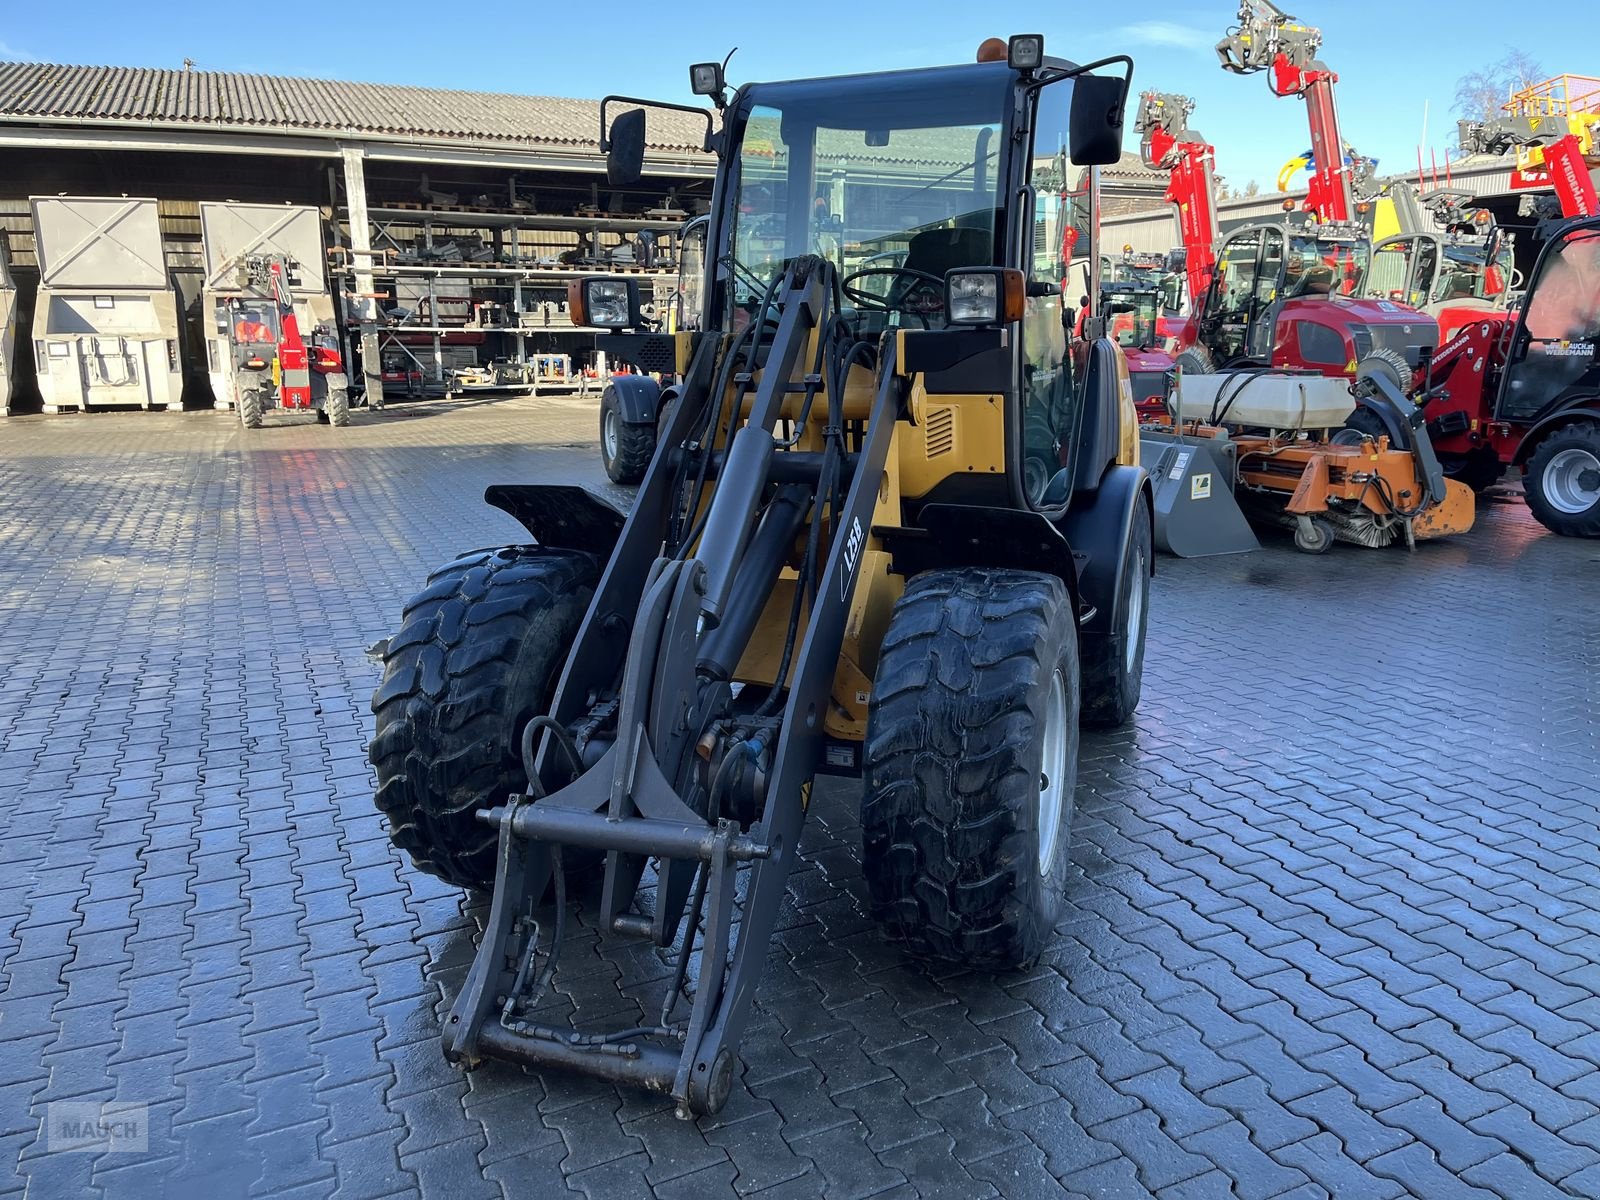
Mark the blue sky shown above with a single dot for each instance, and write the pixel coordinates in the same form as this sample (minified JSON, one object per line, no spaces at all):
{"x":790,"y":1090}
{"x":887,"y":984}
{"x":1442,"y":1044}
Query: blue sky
{"x":1392,"y":56}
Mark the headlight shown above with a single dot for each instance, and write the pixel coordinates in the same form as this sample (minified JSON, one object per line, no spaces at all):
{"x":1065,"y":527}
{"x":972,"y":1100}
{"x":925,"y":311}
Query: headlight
{"x":604,"y":303}
{"x":983,"y":296}
{"x":1025,"y":51}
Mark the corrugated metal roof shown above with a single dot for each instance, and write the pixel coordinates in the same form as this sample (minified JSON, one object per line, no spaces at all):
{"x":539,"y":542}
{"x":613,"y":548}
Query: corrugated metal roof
{"x":149,"y":96}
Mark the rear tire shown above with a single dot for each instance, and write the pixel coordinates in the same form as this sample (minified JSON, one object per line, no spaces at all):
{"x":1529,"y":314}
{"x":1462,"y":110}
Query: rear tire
{"x":250,"y":408}
{"x":1195,"y":360}
{"x":477,"y":656}
{"x":1360,"y":425}
{"x":1563,"y":480}
{"x":1113,"y":672}
{"x":337,"y":406}
{"x":625,"y":448}
{"x":970,"y":765}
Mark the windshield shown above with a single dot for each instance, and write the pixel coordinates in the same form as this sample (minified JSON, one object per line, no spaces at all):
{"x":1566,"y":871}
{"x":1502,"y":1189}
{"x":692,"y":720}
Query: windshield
{"x":1131,"y":318}
{"x":1324,"y":266}
{"x":895,"y":184}
{"x":1465,"y":273}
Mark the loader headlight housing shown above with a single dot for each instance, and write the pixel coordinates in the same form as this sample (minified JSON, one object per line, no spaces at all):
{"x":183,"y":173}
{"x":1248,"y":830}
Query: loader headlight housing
{"x":705,"y":79}
{"x":983,"y":296}
{"x":604,"y":303}
{"x":1025,"y":52}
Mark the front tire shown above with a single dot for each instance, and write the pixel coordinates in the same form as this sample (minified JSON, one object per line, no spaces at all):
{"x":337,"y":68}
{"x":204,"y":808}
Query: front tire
{"x":625,"y":448}
{"x":477,"y":656}
{"x":1563,"y":480}
{"x":1479,"y":470}
{"x":250,"y":408}
{"x":337,"y":406}
{"x":970,"y":765}
{"x":1113,"y":669}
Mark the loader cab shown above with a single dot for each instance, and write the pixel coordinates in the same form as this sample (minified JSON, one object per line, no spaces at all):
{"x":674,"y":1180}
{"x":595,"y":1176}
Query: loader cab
{"x":1426,"y":270}
{"x":902,"y":181}
{"x":1292,"y":295}
{"x":1551,"y":361}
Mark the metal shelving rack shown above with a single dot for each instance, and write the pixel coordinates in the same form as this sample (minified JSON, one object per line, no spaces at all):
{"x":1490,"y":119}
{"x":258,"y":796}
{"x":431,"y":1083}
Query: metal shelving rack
{"x":510,"y":271}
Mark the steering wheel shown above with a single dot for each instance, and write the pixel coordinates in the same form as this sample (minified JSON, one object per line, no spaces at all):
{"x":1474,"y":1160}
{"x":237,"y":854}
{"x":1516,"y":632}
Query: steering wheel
{"x":919,"y":281}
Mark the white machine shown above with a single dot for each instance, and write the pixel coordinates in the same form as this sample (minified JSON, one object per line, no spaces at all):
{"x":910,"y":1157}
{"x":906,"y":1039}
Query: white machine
{"x":1298,"y":402}
{"x":8,"y":328}
{"x":105,"y":326}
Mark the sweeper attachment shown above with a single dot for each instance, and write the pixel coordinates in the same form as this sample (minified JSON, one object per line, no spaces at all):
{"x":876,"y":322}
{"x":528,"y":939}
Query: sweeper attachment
{"x":1274,"y":446}
{"x":843,"y":557}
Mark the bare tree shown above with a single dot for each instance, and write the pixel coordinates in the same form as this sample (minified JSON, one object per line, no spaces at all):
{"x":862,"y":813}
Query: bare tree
{"x":1479,"y":94}
{"x":1252,"y":188}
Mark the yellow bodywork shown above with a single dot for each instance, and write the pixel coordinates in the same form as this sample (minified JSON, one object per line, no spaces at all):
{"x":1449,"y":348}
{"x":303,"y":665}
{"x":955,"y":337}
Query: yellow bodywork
{"x":946,"y":435}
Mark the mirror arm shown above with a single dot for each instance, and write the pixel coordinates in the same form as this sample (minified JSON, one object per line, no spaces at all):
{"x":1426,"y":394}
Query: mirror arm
{"x":605,"y":142}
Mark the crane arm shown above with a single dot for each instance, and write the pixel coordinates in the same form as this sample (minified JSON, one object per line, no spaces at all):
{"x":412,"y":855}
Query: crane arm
{"x":1166,"y":143}
{"x":1268,"y":39}
{"x":1553,"y":149}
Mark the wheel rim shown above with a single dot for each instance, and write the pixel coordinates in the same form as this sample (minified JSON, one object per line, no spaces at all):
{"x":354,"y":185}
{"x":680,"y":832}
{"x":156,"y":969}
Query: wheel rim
{"x":611,"y":433}
{"x":1053,"y":771}
{"x":1572,"y":481}
{"x":1135,"y":611}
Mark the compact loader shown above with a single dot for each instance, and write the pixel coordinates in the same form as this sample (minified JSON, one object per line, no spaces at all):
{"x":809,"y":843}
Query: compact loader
{"x":888,"y":532}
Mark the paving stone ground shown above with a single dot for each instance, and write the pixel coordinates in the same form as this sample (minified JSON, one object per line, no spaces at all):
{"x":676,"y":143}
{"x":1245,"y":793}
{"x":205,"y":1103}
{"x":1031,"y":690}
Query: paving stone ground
{"x":1334,"y":914}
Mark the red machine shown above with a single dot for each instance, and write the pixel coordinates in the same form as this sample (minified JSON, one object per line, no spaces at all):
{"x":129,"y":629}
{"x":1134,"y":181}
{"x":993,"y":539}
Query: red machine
{"x":1522,"y":389}
{"x":1285,"y":294}
{"x":1267,"y":38}
{"x":261,"y":359}
{"x":1166,"y":143}
{"x":1131,"y":311}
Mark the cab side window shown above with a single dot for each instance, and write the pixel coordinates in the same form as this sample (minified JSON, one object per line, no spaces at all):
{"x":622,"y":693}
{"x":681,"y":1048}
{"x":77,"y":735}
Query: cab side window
{"x":1058,"y":235}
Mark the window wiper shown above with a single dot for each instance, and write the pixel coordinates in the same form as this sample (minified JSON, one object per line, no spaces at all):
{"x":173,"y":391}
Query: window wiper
{"x":754,"y":280}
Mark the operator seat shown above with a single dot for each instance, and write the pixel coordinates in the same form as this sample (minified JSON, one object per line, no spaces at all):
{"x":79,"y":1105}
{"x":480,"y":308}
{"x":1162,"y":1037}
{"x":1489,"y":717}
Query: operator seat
{"x":937,"y":251}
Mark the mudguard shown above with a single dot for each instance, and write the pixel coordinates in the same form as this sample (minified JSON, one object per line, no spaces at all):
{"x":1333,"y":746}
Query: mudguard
{"x":1587,"y":409}
{"x":975,"y":535}
{"x":561,"y":516}
{"x":638,"y":398}
{"x":1097,"y":528}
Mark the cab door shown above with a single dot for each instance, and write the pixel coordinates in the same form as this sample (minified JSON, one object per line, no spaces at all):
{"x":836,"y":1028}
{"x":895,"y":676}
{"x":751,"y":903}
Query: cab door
{"x":684,"y":313}
{"x":1231,"y":301}
{"x":1060,"y":233}
{"x":1553,"y":348}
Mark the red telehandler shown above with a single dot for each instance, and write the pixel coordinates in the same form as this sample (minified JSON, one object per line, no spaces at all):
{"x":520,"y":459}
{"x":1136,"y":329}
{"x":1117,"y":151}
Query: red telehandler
{"x":1282,"y":294}
{"x":1519,"y":387}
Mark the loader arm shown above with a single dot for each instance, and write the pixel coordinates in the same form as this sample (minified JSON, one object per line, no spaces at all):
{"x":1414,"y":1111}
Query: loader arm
{"x":642,"y":790}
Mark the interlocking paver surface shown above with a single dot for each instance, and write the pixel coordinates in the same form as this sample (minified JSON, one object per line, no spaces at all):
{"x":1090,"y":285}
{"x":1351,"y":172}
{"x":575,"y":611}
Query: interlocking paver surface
{"x":1334,"y":915}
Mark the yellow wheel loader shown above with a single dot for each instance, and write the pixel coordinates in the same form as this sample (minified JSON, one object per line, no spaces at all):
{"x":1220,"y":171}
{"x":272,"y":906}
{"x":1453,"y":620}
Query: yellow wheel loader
{"x":888,"y":533}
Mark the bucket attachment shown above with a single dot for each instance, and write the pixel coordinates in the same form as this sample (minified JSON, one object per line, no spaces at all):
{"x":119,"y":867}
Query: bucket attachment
{"x":1193,"y":477}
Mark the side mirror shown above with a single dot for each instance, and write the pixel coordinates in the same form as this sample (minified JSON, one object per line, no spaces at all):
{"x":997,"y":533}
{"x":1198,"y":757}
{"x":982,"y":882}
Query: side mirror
{"x":1095,"y":123}
{"x":625,"y":149}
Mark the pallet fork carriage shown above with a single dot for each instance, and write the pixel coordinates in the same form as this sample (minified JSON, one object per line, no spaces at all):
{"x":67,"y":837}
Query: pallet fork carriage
{"x":844,"y":557}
